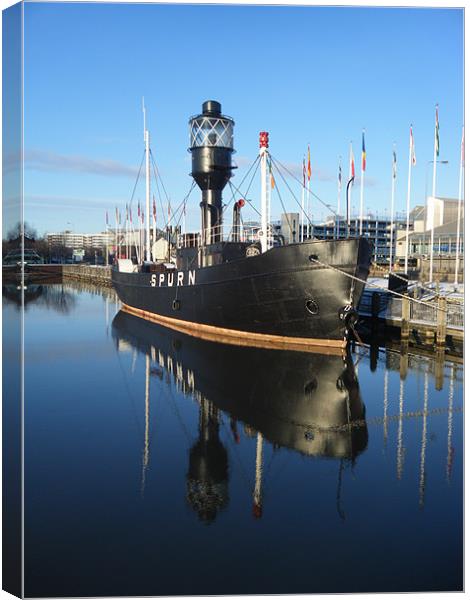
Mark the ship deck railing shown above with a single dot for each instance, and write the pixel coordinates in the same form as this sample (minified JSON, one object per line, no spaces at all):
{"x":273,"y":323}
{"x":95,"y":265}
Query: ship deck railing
{"x":225,"y":233}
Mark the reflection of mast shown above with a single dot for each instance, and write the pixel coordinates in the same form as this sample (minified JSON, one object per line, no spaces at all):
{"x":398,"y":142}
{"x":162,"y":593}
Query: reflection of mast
{"x":400,"y":449}
{"x":385,"y":406}
{"x":449,"y":425}
{"x":422,"y":476}
{"x":338,"y":491}
{"x":257,"y":504}
{"x":145,"y":454}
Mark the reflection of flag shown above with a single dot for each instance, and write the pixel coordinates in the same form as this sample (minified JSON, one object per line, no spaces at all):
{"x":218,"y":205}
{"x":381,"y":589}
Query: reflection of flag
{"x":309,"y":167}
{"x":394,"y":165}
{"x":352,"y":170}
{"x":363,"y":152}
{"x":437,"y":130}
{"x":412,"y":147}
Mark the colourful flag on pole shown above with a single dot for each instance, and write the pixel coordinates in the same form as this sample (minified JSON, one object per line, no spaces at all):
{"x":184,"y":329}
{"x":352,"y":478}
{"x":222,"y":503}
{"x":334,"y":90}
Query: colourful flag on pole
{"x":352,"y":170}
{"x":412,"y":146}
{"x":138,"y":209}
{"x":303,"y":169}
{"x":107,"y":221}
{"x":340,"y":175}
{"x":437,"y":130}
{"x":363,"y":152}
{"x":130,"y":214}
{"x":309,"y":166}
{"x":394,"y":165}
{"x":154,"y":210}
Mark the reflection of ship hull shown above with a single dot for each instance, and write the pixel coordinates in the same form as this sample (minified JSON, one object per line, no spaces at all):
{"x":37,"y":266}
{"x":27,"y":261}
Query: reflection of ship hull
{"x":298,"y":400}
{"x":282,"y":297}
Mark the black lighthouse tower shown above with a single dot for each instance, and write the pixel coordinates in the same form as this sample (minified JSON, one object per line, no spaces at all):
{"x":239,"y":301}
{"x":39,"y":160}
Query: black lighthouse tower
{"x":211,"y":139}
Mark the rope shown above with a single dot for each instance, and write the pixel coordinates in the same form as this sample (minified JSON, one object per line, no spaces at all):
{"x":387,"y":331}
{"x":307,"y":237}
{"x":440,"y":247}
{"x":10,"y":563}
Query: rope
{"x":305,"y":188}
{"x":372,"y":284}
{"x":137,"y":180}
{"x":288,"y":187}
{"x":155,"y":172}
{"x":249,"y":186}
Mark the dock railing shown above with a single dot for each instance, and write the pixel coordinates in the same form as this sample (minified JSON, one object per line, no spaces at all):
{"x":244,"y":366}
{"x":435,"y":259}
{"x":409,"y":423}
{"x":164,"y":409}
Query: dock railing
{"x":426,"y":314}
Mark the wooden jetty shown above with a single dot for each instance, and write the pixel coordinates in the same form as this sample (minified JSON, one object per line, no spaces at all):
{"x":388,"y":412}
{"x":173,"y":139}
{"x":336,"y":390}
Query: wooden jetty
{"x":426,"y":320}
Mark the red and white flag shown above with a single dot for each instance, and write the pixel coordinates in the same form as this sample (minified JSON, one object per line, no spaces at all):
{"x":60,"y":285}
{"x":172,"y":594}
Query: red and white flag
{"x":412,"y":147}
{"x":352,"y":170}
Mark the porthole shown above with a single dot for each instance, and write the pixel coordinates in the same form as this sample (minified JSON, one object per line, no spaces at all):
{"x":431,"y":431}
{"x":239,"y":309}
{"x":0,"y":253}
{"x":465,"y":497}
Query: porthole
{"x":311,"y":306}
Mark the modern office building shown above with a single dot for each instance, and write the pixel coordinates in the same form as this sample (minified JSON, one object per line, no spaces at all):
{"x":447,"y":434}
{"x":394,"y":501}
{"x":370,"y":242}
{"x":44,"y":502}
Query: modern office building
{"x":80,"y":241}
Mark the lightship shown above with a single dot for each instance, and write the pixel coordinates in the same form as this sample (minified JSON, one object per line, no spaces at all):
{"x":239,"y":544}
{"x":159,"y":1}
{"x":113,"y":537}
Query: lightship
{"x":267,"y":293}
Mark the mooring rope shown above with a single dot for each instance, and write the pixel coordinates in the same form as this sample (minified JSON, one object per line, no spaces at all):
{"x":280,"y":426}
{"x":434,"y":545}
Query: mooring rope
{"x":370,"y":283}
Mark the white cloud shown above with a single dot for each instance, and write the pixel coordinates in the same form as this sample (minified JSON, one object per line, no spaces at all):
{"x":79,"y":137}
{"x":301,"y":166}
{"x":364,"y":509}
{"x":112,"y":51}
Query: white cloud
{"x":43,"y":160}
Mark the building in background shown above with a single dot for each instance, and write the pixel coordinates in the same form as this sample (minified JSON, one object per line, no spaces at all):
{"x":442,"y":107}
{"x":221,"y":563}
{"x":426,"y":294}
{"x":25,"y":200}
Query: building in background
{"x":445,"y":230}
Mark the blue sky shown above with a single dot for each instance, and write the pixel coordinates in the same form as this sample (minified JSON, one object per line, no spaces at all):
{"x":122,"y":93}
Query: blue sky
{"x":305,"y":74}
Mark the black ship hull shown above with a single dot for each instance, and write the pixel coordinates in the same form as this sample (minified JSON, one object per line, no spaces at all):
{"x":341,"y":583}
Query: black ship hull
{"x":300,"y":295}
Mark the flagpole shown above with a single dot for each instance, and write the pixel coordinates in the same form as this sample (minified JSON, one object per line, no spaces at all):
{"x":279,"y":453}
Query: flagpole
{"x":363,"y":165}
{"x":352,"y":174}
{"x":107,"y":240}
{"x":117,"y":234}
{"x":436,"y":151}
{"x":127,"y":232}
{"x":408,"y":200}
{"x":309,"y":174}
{"x":392,"y":207}
{"x":339,"y":199}
{"x":154,"y":223}
{"x":147,"y":185}
{"x":457,"y":247}
{"x":302,"y":220}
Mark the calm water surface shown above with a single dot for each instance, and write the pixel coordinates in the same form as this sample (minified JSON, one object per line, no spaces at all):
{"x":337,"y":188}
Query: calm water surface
{"x":156,"y":463}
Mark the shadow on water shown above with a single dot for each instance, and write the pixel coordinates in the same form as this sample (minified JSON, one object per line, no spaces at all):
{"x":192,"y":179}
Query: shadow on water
{"x":54,"y":297}
{"x":306,"y":402}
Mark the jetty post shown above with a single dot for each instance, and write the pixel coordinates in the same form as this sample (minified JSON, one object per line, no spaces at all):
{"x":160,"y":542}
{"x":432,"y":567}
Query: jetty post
{"x":441,"y":321}
{"x":405,"y":318}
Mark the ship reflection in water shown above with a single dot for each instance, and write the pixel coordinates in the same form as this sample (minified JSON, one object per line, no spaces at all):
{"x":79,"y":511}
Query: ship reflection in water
{"x":307,"y":402}
{"x":162,"y":464}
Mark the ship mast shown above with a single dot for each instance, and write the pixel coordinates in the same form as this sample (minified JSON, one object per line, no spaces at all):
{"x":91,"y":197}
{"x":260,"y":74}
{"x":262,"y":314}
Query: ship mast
{"x":263,"y":151}
{"x":147,"y":186}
